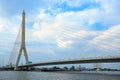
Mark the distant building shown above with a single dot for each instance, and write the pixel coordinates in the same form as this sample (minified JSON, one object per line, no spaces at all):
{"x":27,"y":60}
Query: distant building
{"x":72,"y":68}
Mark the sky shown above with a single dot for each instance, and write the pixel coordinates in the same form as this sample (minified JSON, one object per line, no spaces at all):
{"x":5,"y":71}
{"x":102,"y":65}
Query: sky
{"x":61,"y":29}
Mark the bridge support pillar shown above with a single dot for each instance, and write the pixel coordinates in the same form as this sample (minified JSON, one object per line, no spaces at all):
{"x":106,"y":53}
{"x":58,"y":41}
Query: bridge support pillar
{"x":23,"y":43}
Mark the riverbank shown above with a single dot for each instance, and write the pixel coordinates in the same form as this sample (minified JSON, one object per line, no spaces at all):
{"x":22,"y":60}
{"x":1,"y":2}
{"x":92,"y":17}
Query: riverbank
{"x":117,"y":73}
{"x":91,"y":72}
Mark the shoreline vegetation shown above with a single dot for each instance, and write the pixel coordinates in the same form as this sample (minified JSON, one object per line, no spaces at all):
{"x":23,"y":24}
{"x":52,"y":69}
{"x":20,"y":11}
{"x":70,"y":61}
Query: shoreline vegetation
{"x":55,"y":68}
{"x":66,"y":70}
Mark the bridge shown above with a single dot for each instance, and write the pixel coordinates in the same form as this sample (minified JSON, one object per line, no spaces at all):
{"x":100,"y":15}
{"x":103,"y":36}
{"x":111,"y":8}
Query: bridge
{"x":75,"y":61}
{"x":80,"y":61}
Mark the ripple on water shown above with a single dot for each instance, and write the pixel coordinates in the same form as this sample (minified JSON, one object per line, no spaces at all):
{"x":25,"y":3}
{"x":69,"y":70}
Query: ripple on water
{"x":26,"y":75}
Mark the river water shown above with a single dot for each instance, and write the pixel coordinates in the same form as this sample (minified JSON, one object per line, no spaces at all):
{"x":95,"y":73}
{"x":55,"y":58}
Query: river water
{"x":28,"y":75}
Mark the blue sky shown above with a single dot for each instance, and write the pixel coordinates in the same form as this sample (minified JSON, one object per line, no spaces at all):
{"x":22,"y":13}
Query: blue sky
{"x":61,"y":29}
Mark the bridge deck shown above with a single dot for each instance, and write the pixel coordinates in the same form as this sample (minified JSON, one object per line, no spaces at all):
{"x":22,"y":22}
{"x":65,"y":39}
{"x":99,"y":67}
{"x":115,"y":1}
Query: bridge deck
{"x":94,"y":60}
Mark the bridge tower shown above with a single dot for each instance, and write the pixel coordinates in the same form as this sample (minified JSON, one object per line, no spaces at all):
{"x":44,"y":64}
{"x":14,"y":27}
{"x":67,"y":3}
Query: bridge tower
{"x":23,"y":46}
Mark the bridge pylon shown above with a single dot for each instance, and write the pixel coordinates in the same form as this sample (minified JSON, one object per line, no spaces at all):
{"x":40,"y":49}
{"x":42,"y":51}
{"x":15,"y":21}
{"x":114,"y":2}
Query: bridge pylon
{"x":23,"y":46}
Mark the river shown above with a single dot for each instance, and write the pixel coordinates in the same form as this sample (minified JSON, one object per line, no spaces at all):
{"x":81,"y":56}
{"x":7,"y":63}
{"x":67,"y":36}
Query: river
{"x":29,"y":75}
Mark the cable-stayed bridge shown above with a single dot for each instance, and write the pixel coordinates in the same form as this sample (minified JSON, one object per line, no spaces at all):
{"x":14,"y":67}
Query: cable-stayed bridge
{"x":20,"y":44}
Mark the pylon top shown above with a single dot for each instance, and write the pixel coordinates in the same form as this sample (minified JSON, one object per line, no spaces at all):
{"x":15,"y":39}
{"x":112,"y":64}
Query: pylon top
{"x":23,"y":11}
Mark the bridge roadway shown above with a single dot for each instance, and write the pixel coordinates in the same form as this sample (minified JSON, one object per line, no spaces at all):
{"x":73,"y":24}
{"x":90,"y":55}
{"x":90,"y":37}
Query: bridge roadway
{"x":77,"y":61}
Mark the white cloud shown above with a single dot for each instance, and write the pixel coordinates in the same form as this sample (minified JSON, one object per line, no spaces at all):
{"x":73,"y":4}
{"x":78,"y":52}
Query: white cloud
{"x":76,"y":3}
{"x":1,"y":25}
